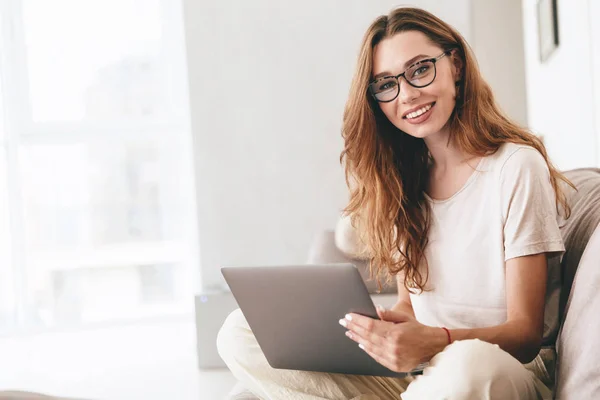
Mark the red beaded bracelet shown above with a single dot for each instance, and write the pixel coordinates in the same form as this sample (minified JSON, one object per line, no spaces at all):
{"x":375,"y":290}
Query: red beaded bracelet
{"x":448,"y":334}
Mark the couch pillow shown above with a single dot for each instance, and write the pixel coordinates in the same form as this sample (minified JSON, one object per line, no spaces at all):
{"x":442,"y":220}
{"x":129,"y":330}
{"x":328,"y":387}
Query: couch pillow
{"x":578,"y":371}
{"x":578,"y":347}
{"x":347,"y":240}
{"x":324,"y":250}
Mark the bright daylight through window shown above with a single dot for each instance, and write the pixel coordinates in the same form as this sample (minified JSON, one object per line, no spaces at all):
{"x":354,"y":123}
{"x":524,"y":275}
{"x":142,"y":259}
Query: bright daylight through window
{"x":96,"y":183}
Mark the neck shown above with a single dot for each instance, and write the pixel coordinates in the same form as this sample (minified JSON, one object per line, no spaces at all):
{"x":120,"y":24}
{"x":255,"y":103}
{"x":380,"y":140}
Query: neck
{"x":444,"y":152}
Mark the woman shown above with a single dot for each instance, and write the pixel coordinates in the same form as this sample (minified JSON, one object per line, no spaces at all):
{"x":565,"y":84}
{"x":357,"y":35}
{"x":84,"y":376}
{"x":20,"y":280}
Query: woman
{"x":456,"y":202}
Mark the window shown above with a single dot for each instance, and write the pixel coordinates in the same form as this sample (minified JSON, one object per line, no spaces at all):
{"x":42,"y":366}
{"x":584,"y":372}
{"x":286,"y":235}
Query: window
{"x":7,"y":295}
{"x":96,"y":163}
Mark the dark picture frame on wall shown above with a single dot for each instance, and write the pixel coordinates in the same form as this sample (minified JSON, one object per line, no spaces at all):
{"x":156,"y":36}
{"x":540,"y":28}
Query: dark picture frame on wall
{"x":547,"y":16}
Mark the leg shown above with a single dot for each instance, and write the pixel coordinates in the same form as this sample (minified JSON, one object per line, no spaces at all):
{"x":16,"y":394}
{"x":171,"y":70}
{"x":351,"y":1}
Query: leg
{"x":242,"y":354}
{"x":472,"y":369}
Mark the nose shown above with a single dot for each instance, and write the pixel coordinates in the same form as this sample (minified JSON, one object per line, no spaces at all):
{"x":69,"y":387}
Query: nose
{"x":408,"y":93}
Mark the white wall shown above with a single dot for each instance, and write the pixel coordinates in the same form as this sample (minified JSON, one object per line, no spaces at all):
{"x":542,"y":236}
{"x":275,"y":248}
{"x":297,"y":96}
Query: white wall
{"x":268,"y":82}
{"x":497,"y":40}
{"x":560,"y":91}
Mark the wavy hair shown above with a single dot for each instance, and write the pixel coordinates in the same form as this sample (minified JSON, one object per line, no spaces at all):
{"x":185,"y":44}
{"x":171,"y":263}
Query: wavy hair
{"x":387,"y":170}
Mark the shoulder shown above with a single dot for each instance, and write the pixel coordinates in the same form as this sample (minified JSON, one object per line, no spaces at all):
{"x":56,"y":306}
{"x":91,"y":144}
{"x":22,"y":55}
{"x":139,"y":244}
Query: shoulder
{"x":513,"y":159}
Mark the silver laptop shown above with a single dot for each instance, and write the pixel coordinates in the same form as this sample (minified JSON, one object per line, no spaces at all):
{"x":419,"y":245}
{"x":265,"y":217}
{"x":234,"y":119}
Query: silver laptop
{"x":293,"y":312}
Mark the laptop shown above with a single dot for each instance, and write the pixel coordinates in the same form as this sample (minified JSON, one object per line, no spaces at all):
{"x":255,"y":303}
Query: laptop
{"x":293,"y":312}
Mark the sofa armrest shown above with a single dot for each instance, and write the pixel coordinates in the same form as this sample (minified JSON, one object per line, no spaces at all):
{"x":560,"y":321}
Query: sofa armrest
{"x":324,"y":251}
{"x":578,"y":373}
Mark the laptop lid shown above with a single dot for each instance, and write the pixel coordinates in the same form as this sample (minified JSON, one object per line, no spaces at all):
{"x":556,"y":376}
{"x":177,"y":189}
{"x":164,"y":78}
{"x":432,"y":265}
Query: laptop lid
{"x":293,"y":312}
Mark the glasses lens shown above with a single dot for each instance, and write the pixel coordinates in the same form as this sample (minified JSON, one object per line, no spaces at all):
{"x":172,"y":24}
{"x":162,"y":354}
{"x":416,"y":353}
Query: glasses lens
{"x":421,"y":74}
{"x":385,"y":89}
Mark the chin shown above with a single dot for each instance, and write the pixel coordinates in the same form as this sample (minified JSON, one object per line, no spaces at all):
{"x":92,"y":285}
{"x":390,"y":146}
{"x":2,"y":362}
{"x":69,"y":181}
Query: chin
{"x":421,"y":132}
{"x":431,"y":127}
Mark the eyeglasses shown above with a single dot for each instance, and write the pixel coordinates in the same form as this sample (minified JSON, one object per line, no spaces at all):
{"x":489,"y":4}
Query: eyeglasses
{"x":419,"y":75}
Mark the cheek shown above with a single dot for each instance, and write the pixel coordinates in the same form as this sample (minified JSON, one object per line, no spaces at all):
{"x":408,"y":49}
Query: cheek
{"x":446,"y":88}
{"x":443,"y":93}
{"x":447,"y":98}
{"x":389,"y":110}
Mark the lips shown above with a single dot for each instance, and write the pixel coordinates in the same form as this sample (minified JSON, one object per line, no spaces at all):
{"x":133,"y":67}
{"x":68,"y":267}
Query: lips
{"x":417,"y":111}
{"x":420,"y":115}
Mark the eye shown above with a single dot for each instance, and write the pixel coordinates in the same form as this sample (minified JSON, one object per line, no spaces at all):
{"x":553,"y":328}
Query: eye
{"x":420,"y":70}
{"x":386,"y":85}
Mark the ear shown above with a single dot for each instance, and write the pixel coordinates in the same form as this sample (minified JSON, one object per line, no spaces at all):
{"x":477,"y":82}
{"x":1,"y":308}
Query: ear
{"x":457,"y":66}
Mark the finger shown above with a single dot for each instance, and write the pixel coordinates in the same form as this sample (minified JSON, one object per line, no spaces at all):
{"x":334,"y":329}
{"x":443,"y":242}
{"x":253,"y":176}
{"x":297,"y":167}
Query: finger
{"x":375,"y":353}
{"x":394,"y":316}
{"x":375,"y":343}
{"x":380,"y":311}
{"x":373,"y":350}
{"x":366,"y":323}
{"x":380,"y":351}
{"x":365,"y":327}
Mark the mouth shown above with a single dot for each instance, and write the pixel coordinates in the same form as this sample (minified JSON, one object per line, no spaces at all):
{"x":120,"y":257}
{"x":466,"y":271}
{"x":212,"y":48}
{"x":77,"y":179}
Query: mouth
{"x":419,"y":113}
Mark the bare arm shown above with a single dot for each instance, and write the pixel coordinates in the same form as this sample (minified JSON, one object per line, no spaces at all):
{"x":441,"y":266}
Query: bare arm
{"x":400,"y":342}
{"x":403,"y":304}
{"x":521,"y":334}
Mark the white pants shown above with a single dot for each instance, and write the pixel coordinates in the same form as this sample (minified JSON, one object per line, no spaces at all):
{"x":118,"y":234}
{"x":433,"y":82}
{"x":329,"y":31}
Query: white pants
{"x":465,"y":370}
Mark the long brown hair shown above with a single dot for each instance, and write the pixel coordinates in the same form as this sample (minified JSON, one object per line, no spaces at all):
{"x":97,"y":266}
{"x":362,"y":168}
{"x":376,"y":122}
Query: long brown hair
{"x":387,"y":169}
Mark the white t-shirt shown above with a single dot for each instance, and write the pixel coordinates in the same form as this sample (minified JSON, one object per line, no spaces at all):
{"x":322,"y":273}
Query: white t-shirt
{"x":506,"y":209}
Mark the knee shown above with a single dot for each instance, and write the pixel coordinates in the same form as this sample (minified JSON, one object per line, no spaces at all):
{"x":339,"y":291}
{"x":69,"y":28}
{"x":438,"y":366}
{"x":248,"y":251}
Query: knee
{"x":229,"y":341}
{"x":475,"y":364}
{"x":473,"y":369}
{"x":466,"y":354}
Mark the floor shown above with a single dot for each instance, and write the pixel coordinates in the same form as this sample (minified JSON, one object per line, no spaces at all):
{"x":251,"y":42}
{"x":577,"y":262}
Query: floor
{"x":149,"y":361}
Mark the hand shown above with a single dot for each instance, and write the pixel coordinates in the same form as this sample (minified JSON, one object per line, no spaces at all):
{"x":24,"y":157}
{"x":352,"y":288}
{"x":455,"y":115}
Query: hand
{"x":398,"y":341}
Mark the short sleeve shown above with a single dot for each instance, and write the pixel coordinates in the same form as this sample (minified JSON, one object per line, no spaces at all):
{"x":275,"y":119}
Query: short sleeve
{"x":528,"y":206}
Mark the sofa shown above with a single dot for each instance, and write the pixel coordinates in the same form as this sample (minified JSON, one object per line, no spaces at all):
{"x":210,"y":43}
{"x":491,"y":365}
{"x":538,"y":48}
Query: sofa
{"x":19,"y":395}
{"x":576,"y":368}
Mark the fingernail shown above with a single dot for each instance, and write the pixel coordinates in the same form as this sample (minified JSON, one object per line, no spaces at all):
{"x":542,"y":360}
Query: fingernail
{"x":349,"y":334}
{"x":342,"y":323}
{"x":361,"y":346}
{"x":380,"y":307}
{"x":349,"y":317}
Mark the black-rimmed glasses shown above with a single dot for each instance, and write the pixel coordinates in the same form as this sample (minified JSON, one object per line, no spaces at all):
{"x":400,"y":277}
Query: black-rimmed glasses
{"x":419,"y":75}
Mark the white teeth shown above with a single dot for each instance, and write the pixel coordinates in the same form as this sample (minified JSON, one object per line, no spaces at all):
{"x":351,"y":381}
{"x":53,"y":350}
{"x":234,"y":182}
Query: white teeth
{"x":415,"y":114}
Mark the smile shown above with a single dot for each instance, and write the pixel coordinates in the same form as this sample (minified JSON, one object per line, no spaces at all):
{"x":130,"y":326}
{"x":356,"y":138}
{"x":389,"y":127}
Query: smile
{"x":419,"y":115}
{"x":419,"y":112}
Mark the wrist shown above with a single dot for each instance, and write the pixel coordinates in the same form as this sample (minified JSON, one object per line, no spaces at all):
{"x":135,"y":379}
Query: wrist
{"x":438,"y":340}
{"x":403,"y":307}
{"x":448,"y":335}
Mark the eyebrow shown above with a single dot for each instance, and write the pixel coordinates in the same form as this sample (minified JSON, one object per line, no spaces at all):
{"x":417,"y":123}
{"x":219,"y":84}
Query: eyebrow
{"x":406,"y":65}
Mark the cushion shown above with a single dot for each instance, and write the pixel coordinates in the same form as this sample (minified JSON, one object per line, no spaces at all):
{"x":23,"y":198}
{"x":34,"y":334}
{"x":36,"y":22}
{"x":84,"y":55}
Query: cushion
{"x":578,"y":347}
{"x":578,"y":368}
{"x":348,"y":241}
{"x":577,"y":230}
{"x":324,"y":250}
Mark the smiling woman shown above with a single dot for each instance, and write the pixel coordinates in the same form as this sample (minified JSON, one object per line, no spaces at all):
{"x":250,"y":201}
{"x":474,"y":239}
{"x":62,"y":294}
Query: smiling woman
{"x":458,"y":204}
{"x":418,"y":83}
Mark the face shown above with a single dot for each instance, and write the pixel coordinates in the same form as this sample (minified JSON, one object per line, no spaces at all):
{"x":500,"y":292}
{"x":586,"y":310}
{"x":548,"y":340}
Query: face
{"x":434,"y":102}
